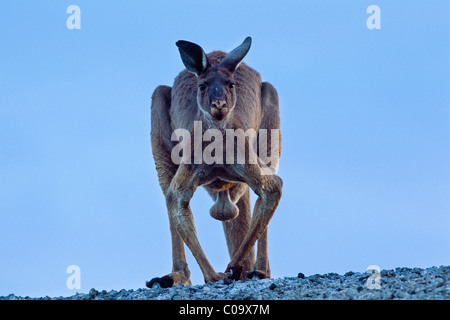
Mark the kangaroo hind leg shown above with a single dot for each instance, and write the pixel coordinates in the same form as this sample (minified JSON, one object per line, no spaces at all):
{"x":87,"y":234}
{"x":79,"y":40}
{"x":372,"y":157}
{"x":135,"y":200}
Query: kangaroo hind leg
{"x":166,"y":169}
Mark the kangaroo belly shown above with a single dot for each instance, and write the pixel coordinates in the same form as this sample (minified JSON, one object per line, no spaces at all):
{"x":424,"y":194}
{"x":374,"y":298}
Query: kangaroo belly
{"x":220,"y":185}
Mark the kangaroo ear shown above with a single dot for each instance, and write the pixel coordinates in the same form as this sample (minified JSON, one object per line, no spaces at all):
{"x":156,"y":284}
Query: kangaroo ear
{"x":193,"y":56}
{"x":234,"y":58}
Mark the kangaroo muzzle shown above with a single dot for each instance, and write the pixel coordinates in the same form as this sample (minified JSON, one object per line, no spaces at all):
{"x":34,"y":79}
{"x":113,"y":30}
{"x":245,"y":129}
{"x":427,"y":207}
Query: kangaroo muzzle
{"x":219,"y":109}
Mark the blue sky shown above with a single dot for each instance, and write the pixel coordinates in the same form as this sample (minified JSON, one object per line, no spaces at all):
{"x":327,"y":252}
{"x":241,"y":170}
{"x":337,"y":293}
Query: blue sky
{"x":365,"y":123}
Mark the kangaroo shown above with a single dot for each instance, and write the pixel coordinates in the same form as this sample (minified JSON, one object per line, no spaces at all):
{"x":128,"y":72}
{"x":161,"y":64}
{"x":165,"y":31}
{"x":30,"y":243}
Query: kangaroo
{"x":217,"y":91}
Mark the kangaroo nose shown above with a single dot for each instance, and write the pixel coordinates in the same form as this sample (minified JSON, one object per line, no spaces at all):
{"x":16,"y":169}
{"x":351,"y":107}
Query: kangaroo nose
{"x":219,"y":104}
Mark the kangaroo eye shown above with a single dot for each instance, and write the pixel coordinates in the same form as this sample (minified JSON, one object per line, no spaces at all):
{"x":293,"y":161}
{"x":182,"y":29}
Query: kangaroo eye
{"x":231,"y":85}
{"x":202,"y":87}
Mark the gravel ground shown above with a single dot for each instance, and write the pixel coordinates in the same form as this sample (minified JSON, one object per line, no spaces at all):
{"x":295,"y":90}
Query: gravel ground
{"x":402,"y":283}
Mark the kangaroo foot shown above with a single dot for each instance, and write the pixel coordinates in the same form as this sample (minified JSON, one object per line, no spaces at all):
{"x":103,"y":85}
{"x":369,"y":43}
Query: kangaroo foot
{"x":218,"y":276}
{"x":170,"y":280}
{"x":259,"y":274}
{"x":238,"y":273}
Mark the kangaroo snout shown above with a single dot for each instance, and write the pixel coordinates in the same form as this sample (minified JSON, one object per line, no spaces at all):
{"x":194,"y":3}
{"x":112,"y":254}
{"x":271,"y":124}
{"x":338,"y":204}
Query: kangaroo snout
{"x":219,"y":109}
{"x":218,"y":104}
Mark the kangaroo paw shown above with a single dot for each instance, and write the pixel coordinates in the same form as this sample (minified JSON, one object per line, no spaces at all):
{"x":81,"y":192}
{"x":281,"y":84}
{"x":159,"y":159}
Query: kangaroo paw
{"x":257,"y":274}
{"x":238,"y":273}
{"x":170,"y":280}
{"x":164,"y":282}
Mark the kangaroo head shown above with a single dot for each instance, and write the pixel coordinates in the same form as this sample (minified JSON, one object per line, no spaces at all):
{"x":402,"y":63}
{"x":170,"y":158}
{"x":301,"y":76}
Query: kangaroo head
{"x":216,"y":92}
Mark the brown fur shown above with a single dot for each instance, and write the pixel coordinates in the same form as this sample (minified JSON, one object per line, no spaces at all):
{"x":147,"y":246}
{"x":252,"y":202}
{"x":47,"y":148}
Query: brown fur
{"x":256,"y":106}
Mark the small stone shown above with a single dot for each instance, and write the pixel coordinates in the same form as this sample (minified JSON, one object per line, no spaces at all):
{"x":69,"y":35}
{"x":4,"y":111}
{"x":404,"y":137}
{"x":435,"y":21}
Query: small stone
{"x":388,"y":273}
{"x":273,"y":286}
{"x":93,"y":293}
{"x":332,"y":275}
{"x":301,"y":275}
{"x":364,"y":278}
{"x":156,"y":285}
